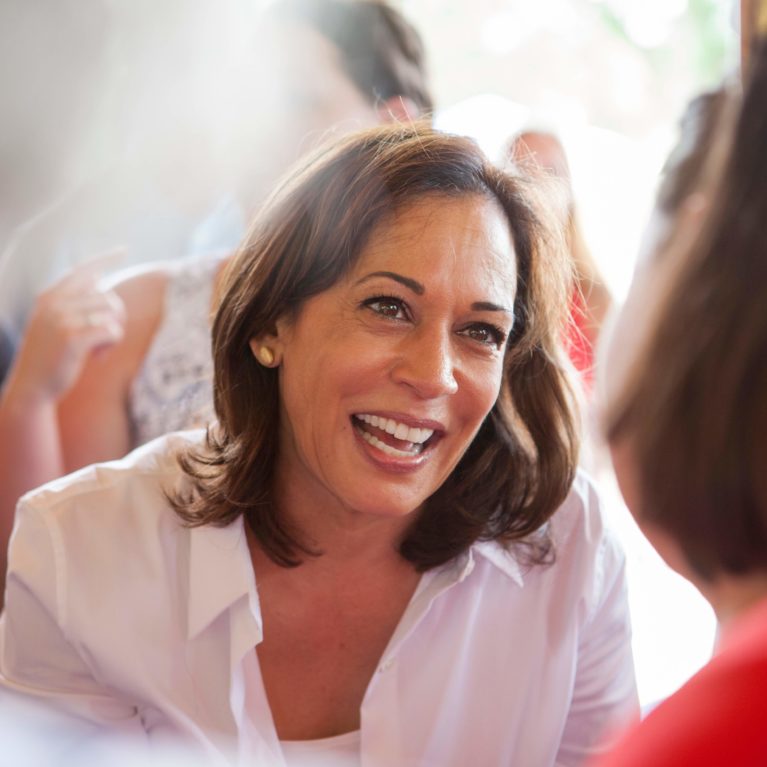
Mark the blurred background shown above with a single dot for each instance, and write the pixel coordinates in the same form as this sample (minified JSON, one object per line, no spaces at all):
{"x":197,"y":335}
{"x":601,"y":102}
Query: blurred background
{"x":102,"y":98}
{"x":609,"y":76}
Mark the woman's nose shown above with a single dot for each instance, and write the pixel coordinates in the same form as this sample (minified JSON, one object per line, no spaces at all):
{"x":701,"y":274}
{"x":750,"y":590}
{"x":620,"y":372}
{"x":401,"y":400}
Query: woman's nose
{"x":426,"y":363}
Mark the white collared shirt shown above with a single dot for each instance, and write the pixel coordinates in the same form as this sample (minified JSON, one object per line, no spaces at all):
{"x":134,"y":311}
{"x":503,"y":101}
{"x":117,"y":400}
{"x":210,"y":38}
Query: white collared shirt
{"x":120,"y":615}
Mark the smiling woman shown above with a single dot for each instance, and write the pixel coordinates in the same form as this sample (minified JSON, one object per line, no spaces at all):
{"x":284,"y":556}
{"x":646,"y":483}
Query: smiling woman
{"x":409,"y":251}
{"x":403,"y":338}
{"x":381,"y":551}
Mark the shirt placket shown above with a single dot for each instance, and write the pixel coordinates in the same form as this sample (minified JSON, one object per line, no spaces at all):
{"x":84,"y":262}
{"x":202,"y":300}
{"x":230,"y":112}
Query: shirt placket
{"x":383,"y":738}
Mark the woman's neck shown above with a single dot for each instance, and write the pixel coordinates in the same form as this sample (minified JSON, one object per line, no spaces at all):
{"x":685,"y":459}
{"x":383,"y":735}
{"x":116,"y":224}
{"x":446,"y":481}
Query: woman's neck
{"x":343,"y":535}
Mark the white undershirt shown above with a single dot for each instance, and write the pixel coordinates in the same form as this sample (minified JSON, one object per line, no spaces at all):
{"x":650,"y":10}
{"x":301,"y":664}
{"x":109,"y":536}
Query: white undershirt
{"x":338,"y":751}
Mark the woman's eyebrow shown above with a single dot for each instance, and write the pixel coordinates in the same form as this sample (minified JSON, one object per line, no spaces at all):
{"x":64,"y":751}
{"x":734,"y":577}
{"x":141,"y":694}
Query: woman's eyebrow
{"x":488,"y":306}
{"x":414,"y":285}
{"x":419,"y":289}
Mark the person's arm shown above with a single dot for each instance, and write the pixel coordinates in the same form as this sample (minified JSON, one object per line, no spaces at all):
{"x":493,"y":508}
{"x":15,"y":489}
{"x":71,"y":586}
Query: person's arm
{"x":65,"y":403}
{"x":605,"y":693}
{"x":69,"y":322}
{"x":93,"y":416}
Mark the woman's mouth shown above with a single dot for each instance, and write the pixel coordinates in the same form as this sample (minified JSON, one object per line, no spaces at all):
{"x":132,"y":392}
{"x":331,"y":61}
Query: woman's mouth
{"x":392,"y":437}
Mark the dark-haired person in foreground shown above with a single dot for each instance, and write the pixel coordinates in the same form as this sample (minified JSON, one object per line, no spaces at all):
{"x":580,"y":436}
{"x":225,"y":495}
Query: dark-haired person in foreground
{"x":382,"y":553}
{"x":686,"y":424}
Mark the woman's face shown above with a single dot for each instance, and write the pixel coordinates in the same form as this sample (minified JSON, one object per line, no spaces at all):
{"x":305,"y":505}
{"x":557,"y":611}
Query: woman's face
{"x":386,"y":377}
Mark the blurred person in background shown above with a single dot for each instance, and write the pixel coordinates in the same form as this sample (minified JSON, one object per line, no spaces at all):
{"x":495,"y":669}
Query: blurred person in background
{"x":315,"y":67}
{"x":202,"y":107}
{"x":103,"y":369}
{"x":685,"y":418}
{"x":691,"y":168}
{"x":145,"y":122}
{"x":534,"y":152}
{"x":678,"y":192}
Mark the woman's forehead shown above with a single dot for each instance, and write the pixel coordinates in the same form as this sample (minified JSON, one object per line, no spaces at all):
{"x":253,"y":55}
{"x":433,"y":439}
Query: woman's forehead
{"x":467,"y":236}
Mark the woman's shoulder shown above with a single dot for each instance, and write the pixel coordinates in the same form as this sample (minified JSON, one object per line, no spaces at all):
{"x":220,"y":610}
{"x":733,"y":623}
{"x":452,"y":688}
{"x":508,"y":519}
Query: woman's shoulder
{"x":141,"y":289}
{"x":161,"y":276}
{"x":582,"y":513}
{"x":110,"y":496}
{"x":115,"y":569}
{"x":584,"y":552}
{"x":105,"y":529}
{"x":584,"y":537}
{"x":148,"y":289}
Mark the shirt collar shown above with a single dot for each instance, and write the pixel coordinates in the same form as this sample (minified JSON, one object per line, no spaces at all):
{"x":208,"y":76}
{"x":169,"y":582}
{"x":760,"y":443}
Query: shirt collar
{"x":500,"y":557}
{"x":436,"y":582}
{"x":220,"y":573}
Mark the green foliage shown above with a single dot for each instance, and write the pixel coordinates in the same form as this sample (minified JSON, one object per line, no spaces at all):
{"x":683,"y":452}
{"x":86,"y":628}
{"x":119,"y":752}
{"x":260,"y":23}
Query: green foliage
{"x":704,"y":30}
{"x":713,"y":48}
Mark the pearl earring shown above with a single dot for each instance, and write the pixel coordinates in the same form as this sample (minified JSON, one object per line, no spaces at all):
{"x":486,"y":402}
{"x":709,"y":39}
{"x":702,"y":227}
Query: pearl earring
{"x":266,"y":356}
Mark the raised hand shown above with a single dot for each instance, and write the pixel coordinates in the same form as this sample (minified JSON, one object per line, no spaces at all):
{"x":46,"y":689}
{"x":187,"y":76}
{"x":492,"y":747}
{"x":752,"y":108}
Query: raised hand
{"x":74,"y":318}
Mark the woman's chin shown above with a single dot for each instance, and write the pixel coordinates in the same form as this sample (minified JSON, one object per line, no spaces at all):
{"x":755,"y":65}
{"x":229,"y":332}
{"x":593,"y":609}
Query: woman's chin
{"x":383,"y":506}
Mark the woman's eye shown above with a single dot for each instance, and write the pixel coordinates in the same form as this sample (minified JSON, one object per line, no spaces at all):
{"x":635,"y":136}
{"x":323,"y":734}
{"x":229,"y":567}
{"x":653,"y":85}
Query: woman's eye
{"x":486,"y":334}
{"x":387,"y":307}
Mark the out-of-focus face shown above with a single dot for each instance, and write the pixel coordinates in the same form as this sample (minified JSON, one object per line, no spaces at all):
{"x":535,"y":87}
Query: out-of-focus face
{"x":626,"y":330}
{"x":543,"y":152}
{"x":294,"y":94}
{"x":627,"y":474}
{"x":543,"y":149}
{"x":386,"y":377}
{"x":619,"y":355}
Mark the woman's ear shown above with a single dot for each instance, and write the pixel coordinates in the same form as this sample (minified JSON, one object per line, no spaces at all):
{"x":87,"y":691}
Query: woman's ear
{"x":263,"y":352}
{"x":268,"y":348}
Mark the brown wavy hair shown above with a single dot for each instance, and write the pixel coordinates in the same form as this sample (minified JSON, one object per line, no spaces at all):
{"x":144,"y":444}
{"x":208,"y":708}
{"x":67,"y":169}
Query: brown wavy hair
{"x":520,"y":465}
{"x":693,"y":413}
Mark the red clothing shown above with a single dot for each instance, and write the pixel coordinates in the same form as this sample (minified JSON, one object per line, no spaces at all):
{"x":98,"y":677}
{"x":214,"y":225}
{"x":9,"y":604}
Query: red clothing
{"x":577,"y":343}
{"x":719,"y":718}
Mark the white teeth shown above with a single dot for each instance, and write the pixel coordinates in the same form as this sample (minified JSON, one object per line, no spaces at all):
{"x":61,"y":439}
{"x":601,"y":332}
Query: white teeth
{"x":397,"y":430}
{"x":388,"y":449}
